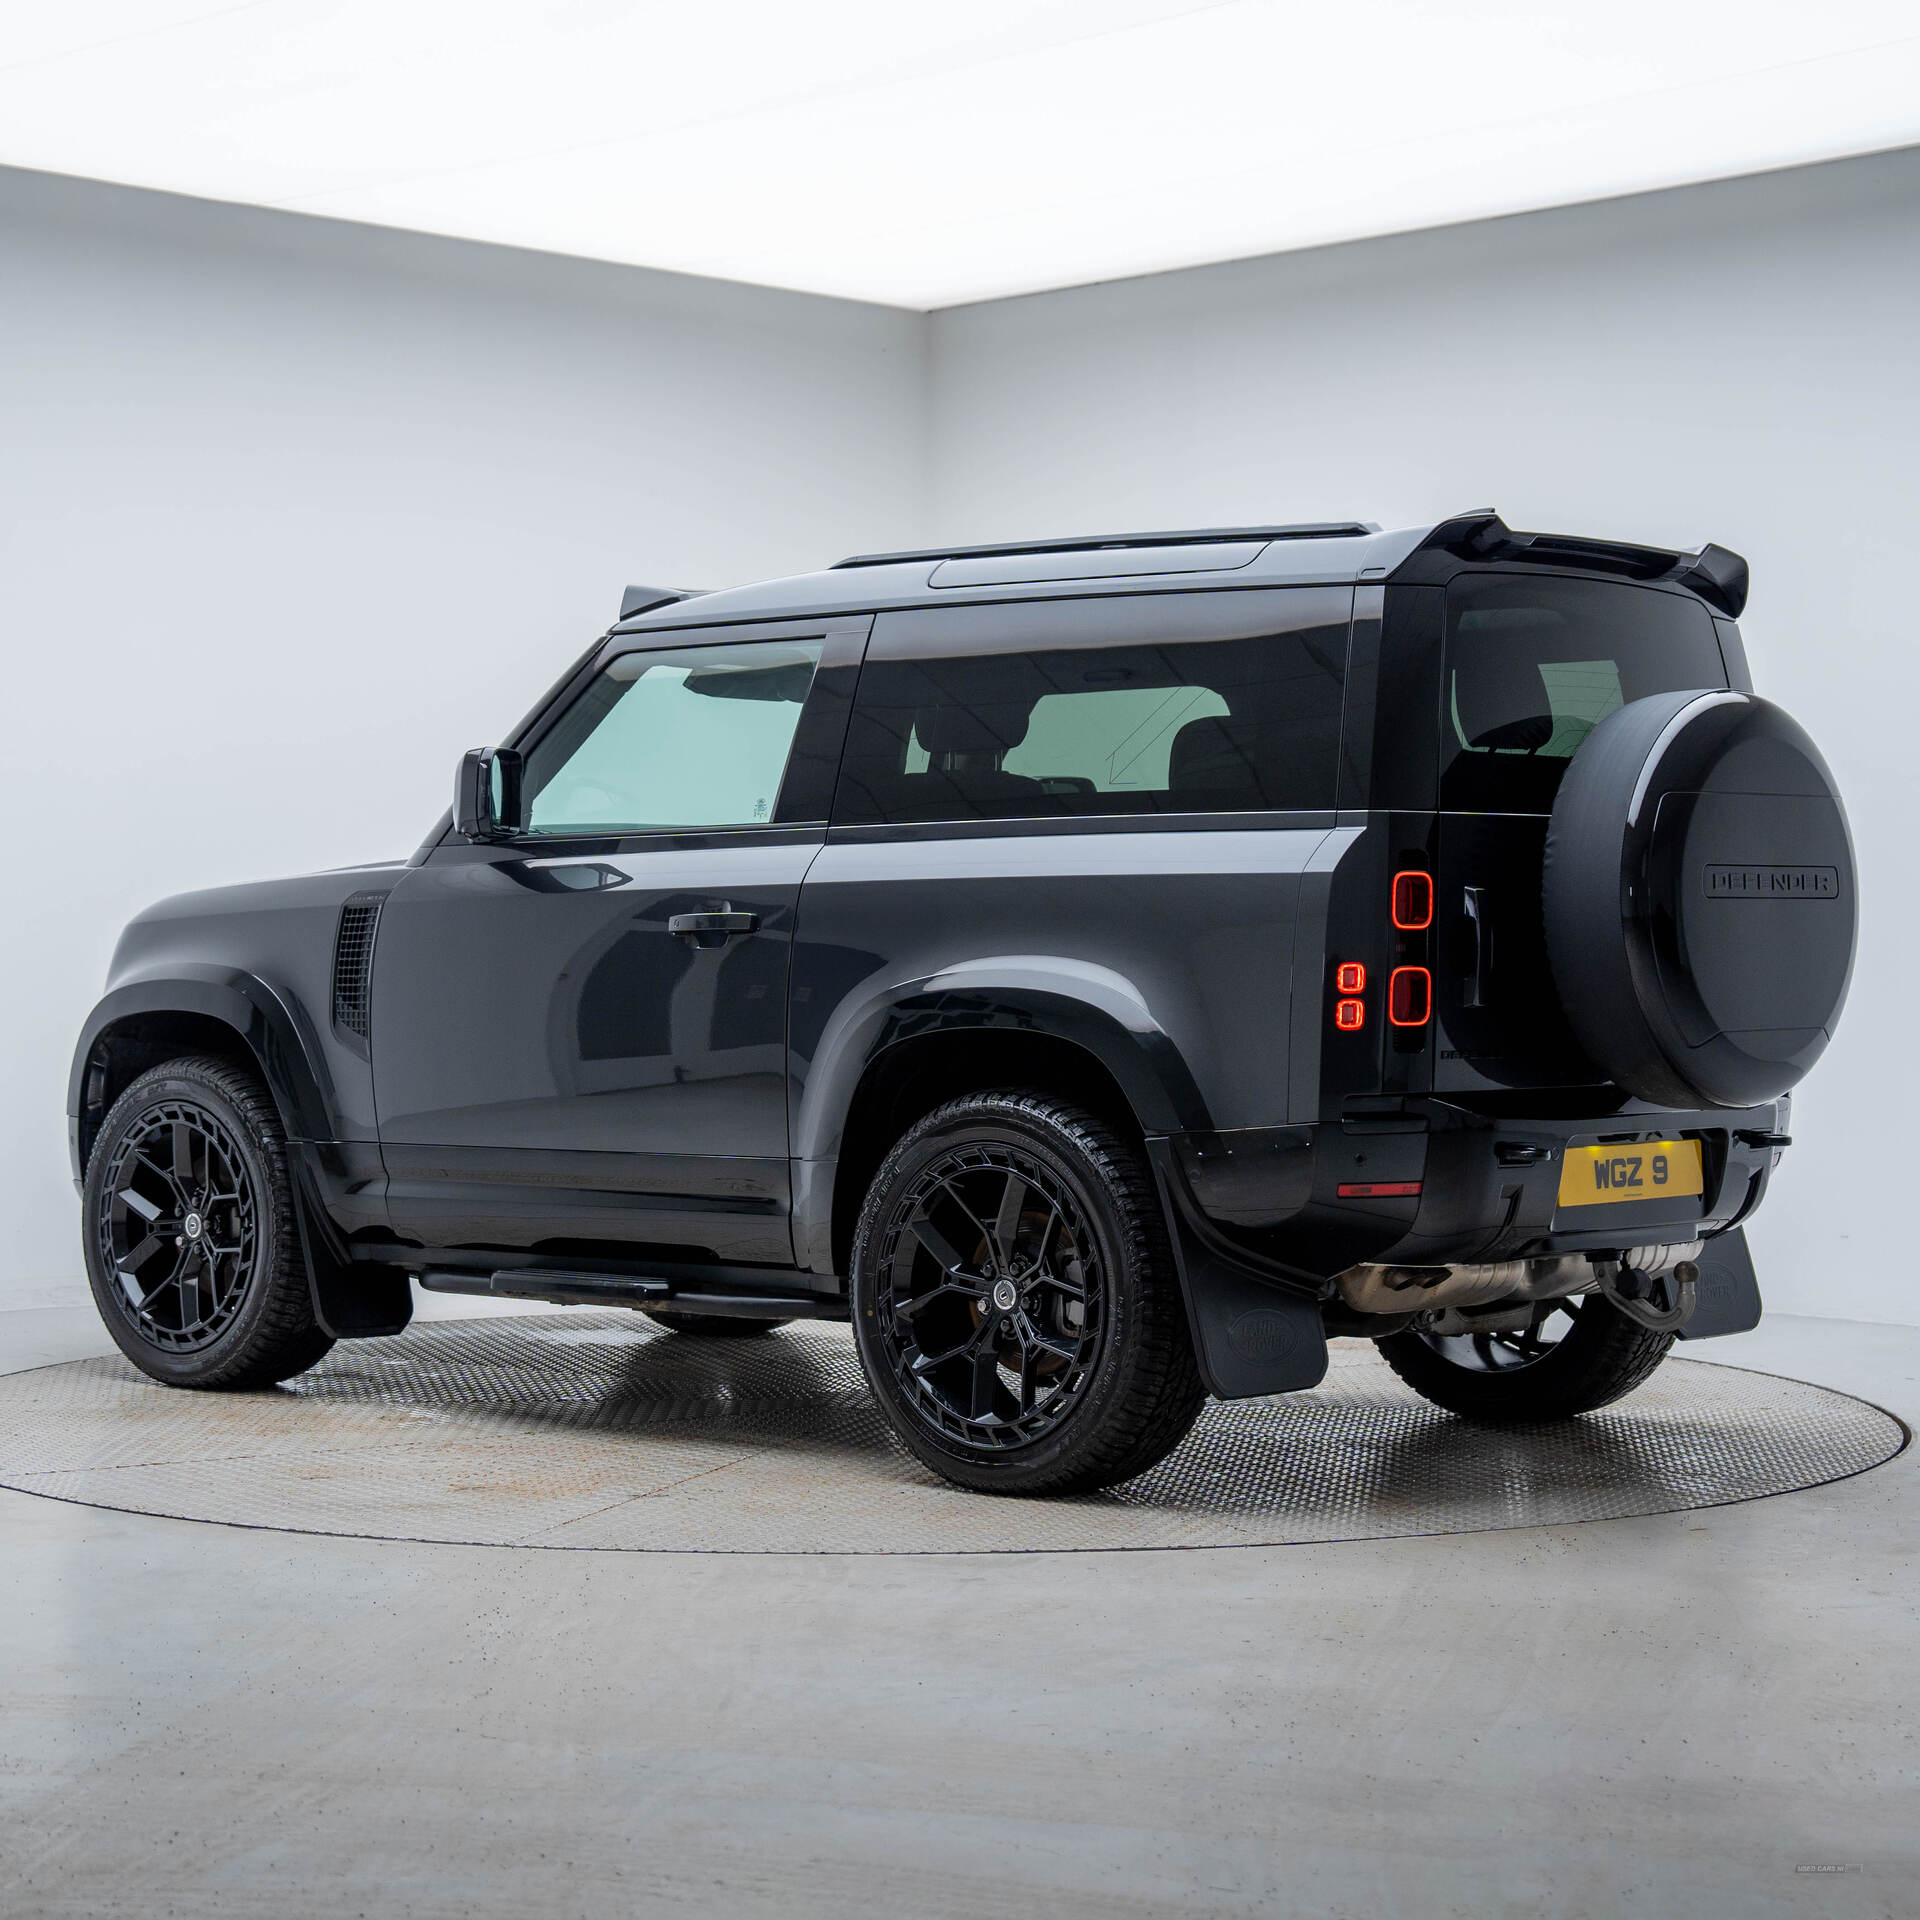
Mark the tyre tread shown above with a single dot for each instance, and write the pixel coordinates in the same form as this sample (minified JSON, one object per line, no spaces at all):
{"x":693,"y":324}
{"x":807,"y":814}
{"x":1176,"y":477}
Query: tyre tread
{"x":285,"y":1337}
{"x":1603,"y":1360}
{"x":1163,"y":1392}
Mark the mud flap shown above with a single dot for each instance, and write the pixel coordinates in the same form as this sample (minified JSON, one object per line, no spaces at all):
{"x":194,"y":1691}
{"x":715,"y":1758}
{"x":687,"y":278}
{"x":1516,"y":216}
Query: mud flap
{"x":1726,"y":1297}
{"x":1250,"y":1336}
{"x":352,"y":1299}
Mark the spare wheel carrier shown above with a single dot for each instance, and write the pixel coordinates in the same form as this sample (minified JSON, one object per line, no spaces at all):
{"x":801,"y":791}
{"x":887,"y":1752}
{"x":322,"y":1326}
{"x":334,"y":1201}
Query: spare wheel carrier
{"x":1699,"y":896}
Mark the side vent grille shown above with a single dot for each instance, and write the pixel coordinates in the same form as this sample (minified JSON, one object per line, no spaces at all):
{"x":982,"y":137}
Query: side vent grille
{"x":353,"y":965}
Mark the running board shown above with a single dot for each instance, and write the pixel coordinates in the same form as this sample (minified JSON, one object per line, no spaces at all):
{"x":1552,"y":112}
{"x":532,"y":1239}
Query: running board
{"x":687,"y":1292}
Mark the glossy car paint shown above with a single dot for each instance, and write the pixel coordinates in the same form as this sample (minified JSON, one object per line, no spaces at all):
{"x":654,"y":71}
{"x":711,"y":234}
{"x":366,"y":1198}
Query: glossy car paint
{"x":258,"y":961}
{"x":552,"y":1062}
{"x":551,"y":1071}
{"x":1166,"y":954}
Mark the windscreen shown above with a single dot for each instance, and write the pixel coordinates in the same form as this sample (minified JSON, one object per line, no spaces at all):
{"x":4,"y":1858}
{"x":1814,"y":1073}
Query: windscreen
{"x":1533,"y":665}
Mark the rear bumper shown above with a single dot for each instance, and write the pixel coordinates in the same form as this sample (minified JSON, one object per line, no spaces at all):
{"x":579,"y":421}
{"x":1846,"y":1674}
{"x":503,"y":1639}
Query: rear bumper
{"x":1422,"y":1181}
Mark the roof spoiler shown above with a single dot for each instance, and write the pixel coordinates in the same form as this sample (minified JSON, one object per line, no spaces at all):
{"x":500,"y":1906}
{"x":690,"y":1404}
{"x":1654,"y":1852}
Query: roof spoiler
{"x":644,"y":599}
{"x":1716,"y":574}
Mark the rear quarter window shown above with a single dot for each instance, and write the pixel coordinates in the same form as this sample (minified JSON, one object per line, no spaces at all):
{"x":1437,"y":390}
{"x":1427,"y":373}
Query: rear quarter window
{"x":1533,"y":665}
{"x":1196,"y":703}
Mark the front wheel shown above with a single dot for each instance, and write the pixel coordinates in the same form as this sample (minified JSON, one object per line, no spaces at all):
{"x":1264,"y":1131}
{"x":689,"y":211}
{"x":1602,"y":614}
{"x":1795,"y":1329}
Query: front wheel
{"x":1015,"y":1301}
{"x":1575,"y":1356}
{"x":191,"y":1246}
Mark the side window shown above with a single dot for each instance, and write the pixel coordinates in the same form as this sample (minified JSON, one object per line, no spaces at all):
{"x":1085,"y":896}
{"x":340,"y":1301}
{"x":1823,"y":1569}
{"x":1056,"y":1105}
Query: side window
{"x":1213,"y":703}
{"x":693,"y":737}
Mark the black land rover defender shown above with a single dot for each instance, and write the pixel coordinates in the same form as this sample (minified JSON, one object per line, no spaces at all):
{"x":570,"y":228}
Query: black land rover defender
{"x":1100,"y":970}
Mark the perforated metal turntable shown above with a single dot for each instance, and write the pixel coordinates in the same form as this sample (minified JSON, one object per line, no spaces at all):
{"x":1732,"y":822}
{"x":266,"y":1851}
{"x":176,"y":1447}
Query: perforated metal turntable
{"x":592,"y":1430}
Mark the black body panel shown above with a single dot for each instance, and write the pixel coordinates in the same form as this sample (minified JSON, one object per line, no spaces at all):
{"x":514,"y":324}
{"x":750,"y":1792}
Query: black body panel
{"x":554,"y":1064}
{"x":510,"y":1065}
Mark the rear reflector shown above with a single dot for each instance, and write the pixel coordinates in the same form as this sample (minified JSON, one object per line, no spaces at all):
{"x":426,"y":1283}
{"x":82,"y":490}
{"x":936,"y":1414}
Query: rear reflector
{"x":1410,"y":997}
{"x":1349,"y":1015}
{"x":1412,"y":900}
{"x":1350,"y":977}
{"x":1378,"y":1189}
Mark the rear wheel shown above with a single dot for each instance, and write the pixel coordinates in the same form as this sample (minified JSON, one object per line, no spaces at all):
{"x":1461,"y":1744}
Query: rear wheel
{"x":1015,"y":1301}
{"x":1576,"y":1355}
{"x":191,"y":1246}
{"x":717,"y":1326}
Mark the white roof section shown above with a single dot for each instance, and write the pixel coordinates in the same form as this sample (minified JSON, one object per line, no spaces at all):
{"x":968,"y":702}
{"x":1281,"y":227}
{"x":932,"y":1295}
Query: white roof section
{"x":928,"y":155}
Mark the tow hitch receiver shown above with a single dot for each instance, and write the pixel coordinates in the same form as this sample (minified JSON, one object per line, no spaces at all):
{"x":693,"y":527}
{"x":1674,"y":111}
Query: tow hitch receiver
{"x":1661,"y":1301}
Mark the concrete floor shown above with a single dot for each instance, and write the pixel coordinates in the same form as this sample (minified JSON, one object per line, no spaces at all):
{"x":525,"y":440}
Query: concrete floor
{"x":1700,"y":1714}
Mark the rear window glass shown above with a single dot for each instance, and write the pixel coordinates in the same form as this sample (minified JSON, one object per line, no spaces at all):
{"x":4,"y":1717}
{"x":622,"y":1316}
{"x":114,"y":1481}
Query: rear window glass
{"x":1534,"y":665}
{"x":1179,"y":725}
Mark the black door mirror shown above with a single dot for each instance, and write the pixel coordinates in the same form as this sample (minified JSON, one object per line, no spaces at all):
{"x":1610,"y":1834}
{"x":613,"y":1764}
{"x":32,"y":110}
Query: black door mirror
{"x":486,"y":794}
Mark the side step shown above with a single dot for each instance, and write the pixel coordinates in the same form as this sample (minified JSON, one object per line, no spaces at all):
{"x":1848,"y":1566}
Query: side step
{"x":692,"y":1289}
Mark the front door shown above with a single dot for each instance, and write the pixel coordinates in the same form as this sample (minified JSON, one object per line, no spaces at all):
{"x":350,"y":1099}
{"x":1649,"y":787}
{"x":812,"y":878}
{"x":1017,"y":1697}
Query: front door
{"x":579,"y":1033}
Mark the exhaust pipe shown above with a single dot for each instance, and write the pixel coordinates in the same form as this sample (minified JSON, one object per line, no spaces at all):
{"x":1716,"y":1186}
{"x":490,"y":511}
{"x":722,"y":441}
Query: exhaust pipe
{"x":1398,"y":1290}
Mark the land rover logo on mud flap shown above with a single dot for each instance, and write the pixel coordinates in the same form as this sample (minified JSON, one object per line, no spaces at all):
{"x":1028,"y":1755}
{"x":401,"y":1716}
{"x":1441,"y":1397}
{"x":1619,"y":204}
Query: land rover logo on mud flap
{"x":1263,"y":1334}
{"x":1772,"y":883}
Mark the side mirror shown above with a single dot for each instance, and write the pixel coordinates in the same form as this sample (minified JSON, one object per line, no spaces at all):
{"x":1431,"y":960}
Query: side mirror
{"x":486,"y":794}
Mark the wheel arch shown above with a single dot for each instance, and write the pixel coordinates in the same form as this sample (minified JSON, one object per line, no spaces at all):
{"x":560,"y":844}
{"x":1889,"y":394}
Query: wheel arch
{"x":964,"y":1033}
{"x":240,"y":1017}
{"x":232,"y":1014}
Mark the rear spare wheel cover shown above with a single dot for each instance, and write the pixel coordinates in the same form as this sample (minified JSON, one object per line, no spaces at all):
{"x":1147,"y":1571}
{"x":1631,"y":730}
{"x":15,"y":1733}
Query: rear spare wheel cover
{"x":1699,"y":895}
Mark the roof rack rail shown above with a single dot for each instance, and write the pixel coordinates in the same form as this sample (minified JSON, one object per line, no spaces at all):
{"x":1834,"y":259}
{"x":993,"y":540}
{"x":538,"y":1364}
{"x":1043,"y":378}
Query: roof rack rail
{"x":643,"y":599}
{"x":1094,"y":542}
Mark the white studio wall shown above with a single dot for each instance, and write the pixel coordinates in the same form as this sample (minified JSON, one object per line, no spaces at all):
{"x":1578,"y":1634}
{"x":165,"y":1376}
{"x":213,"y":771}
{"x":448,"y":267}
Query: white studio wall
{"x":292,"y":511}
{"x":1733,"y":362}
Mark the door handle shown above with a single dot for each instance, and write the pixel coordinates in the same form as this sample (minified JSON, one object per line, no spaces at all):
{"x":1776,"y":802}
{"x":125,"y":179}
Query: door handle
{"x":723,"y":925}
{"x":1474,"y":904}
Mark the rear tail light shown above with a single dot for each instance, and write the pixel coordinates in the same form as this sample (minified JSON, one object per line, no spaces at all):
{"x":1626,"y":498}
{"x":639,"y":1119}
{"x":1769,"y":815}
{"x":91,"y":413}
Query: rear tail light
{"x":1349,"y":1015}
{"x":1412,"y":900}
{"x":1410,"y":996}
{"x":1350,"y":977}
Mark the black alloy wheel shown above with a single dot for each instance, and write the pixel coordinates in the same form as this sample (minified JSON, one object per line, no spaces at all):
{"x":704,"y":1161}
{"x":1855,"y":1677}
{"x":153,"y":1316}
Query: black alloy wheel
{"x":1508,"y":1349}
{"x":181,"y":1225}
{"x":192,"y":1249}
{"x":992,"y":1304}
{"x":1015,"y":1303}
{"x":1573,"y":1356}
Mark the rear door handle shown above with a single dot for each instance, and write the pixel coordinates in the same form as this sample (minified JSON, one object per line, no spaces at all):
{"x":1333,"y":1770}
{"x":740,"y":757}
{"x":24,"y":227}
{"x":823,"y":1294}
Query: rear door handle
{"x":727,"y":925}
{"x":1474,"y":904}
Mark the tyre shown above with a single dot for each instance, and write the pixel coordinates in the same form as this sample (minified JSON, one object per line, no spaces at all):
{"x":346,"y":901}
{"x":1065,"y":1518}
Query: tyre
{"x":716,"y":1326}
{"x":191,"y":1246}
{"x":1577,"y":1355}
{"x":1015,"y":1302}
{"x":1698,"y":894}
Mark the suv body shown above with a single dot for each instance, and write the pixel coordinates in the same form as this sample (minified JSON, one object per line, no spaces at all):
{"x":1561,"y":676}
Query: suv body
{"x":1234,"y":840}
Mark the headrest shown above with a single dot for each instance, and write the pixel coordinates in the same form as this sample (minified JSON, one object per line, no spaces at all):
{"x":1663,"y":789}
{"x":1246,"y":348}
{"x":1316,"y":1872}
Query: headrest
{"x":1206,"y":753}
{"x":957,"y":729}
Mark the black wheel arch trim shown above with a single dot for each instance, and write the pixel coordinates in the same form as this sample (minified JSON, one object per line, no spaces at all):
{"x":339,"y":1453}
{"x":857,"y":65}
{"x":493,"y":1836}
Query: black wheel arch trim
{"x":272,"y":1028}
{"x":1121,"y":1036}
{"x":350,"y":1299}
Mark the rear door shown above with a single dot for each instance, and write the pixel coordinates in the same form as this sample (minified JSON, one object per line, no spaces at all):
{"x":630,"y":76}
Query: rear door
{"x":1531,"y":664}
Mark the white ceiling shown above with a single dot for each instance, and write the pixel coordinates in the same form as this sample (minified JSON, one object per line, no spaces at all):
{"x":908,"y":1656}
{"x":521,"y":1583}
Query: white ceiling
{"x":926,"y":155}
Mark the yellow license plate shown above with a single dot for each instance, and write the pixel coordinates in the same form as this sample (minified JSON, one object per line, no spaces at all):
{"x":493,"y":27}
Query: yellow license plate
{"x":1619,"y":1176}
